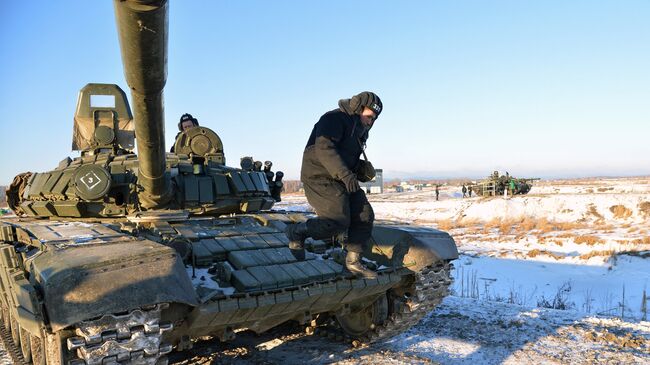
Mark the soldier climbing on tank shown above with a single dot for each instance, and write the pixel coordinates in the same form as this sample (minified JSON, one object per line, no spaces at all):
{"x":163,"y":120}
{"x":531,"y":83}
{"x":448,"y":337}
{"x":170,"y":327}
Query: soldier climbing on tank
{"x":329,"y":177}
{"x":186,"y":122}
{"x":464,"y":190}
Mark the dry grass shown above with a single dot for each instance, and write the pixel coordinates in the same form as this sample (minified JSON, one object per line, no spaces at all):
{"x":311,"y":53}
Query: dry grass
{"x":468,"y":222}
{"x":620,"y":211}
{"x":445,"y":224}
{"x":536,"y":252}
{"x":593,"y":211}
{"x":644,"y":208}
{"x":588,"y":240}
{"x":642,"y":241}
{"x":601,"y":190}
{"x":603,"y":253}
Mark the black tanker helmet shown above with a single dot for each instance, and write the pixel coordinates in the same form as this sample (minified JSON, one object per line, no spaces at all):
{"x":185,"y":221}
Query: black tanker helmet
{"x":355,"y":104}
{"x":184,"y":118}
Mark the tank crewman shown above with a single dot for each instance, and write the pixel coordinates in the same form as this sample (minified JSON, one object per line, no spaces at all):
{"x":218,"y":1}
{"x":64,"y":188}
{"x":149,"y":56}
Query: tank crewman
{"x":437,"y":192}
{"x":328,"y":174}
{"x":464,"y":190}
{"x":186,"y":122}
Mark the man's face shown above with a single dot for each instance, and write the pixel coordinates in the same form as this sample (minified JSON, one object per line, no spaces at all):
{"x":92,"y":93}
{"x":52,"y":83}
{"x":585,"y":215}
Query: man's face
{"x":368,"y":117}
{"x":187,"y":125}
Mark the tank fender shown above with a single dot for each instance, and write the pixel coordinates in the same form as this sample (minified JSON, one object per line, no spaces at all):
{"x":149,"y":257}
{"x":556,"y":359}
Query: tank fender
{"x":409,"y":246}
{"x":18,"y":294}
{"x":86,"y":281}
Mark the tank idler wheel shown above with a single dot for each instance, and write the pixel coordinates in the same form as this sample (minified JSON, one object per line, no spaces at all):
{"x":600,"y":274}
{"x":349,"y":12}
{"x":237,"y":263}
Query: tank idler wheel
{"x":361,"y":321}
{"x":25,"y":345}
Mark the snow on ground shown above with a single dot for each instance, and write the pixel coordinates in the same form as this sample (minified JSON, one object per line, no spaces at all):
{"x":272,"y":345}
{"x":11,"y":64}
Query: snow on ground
{"x":557,"y":276}
{"x":459,"y":331}
{"x":581,"y":245}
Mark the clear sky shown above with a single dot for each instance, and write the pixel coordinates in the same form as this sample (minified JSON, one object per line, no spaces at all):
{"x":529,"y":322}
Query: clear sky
{"x":546,"y":88}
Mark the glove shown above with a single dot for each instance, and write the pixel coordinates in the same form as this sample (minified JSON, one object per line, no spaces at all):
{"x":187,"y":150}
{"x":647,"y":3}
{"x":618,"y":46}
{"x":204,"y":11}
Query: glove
{"x":350,"y":182}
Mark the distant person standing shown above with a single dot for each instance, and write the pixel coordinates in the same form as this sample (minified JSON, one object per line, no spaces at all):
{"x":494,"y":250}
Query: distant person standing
{"x":437,"y":192}
{"x":469,"y":191}
{"x":464,"y":190}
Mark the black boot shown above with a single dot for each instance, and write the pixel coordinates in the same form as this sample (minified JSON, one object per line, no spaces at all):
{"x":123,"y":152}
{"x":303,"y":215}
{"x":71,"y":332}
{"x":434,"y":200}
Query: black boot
{"x":354,"y":265}
{"x":297,"y":233}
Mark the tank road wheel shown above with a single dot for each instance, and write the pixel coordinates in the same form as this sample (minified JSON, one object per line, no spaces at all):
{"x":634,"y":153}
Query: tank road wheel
{"x":5,"y":318}
{"x":399,"y":310}
{"x":25,"y":345}
{"x":361,"y":321}
{"x":37,"y":350}
{"x":15,"y":329}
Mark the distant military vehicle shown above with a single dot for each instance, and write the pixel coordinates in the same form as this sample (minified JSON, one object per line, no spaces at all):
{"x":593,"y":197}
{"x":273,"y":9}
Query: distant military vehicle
{"x":120,"y":258}
{"x":497,"y":184}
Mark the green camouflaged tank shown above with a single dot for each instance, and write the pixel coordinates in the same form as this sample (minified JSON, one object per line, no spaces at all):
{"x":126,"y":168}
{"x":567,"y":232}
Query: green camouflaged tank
{"x":495,"y":185}
{"x":118,"y":258}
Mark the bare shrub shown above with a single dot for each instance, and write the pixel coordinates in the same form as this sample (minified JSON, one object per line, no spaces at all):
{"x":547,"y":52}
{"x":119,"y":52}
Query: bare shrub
{"x":589,"y":191}
{"x":644,"y":208}
{"x":601,"y":190}
{"x":291,"y":186}
{"x":588,"y":239}
{"x":620,"y":211}
{"x":560,"y":300}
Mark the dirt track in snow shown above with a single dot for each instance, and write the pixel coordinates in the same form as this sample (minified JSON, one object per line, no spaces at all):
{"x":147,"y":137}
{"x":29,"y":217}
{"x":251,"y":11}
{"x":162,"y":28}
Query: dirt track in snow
{"x":460,"y":331}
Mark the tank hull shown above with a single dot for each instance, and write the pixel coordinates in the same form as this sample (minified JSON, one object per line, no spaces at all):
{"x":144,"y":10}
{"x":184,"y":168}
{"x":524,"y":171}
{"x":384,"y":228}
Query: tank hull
{"x":74,"y":281}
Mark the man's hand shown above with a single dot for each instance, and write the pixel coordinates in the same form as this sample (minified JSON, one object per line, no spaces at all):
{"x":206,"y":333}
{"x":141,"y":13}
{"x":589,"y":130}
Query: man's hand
{"x":351,"y":182}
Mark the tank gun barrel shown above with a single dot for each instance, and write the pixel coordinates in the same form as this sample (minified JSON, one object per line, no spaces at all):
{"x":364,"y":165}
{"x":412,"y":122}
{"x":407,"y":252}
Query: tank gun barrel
{"x":142,"y":26}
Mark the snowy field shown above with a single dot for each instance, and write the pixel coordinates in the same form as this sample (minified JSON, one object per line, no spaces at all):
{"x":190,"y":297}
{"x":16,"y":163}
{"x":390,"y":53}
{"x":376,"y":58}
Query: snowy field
{"x":559,"y":276}
{"x":565,"y":266}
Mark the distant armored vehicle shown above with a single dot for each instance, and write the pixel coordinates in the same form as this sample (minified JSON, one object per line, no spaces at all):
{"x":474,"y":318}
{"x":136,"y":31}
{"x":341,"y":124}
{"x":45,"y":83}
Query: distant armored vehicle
{"x":115,"y":257}
{"x":497,"y":184}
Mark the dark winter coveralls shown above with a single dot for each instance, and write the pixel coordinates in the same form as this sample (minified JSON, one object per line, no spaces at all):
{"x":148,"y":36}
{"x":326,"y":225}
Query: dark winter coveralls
{"x":333,"y":150}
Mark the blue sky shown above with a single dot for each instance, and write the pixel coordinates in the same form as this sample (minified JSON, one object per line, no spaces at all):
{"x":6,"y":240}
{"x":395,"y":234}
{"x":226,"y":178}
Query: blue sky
{"x":545,"y":88}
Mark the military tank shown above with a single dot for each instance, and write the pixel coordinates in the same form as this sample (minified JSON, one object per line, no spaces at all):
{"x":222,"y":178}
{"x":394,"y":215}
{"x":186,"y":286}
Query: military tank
{"x":114,"y":257}
{"x":496,"y":185}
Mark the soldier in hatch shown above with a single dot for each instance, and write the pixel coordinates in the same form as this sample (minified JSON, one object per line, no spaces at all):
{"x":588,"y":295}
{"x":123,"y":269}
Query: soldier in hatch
{"x":187,"y":121}
{"x":329,"y":177}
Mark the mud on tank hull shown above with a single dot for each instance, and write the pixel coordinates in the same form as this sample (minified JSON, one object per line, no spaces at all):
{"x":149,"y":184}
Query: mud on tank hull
{"x":166,"y":281}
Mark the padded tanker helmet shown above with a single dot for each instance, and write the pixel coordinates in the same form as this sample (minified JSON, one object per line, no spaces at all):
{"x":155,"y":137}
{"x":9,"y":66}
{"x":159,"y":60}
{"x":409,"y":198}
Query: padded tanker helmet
{"x":367,"y":99}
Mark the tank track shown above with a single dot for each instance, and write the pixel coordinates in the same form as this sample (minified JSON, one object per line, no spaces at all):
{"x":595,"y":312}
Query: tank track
{"x":134,"y":337}
{"x":11,"y":348}
{"x":431,"y":287}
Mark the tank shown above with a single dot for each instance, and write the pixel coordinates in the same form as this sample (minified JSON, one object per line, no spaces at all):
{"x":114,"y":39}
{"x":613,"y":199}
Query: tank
{"x":497,"y":185}
{"x":114,"y":257}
